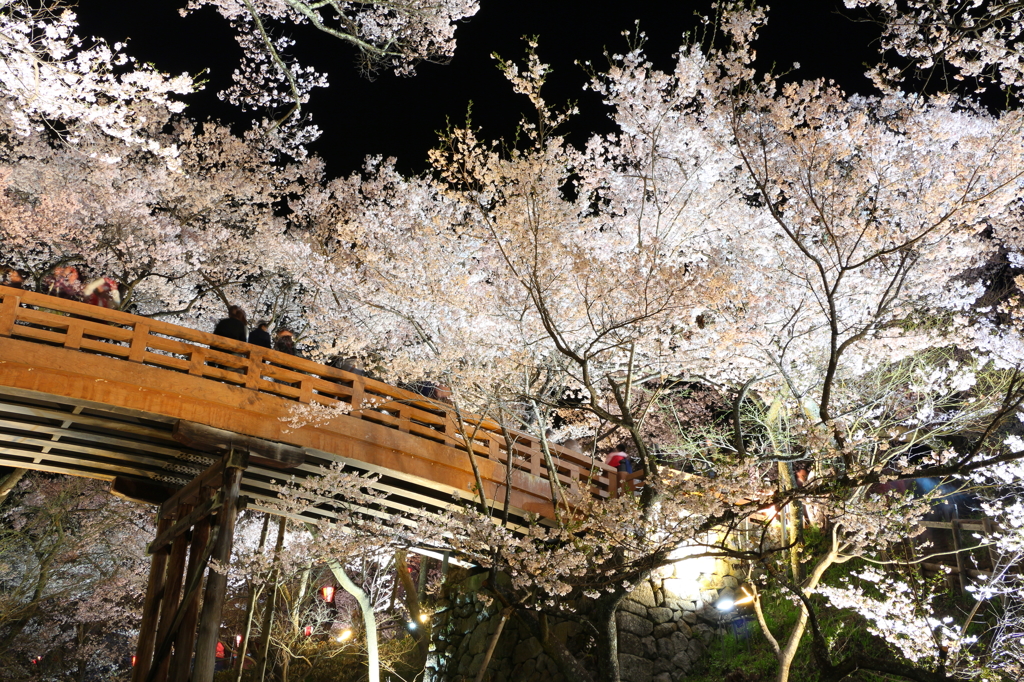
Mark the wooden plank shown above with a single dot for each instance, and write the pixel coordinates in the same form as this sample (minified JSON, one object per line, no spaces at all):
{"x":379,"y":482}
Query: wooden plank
{"x":181,"y":663}
{"x":197,"y":361}
{"x":73,"y":339}
{"x":146,"y":446}
{"x":111,"y":462}
{"x":84,"y":419}
{"x":11,"y":458}
{"x":961,"y":563}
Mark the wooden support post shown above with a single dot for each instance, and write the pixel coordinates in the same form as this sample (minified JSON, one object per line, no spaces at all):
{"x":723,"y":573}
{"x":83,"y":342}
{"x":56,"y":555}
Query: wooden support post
{"x":140,"y":337}
{"x":181,"y":664}
{"x":613,"y":484}
{"x":151,"y":610}
{"x":172,"y":594}
{"x":216,"y":583}
{"x":961,"y":564}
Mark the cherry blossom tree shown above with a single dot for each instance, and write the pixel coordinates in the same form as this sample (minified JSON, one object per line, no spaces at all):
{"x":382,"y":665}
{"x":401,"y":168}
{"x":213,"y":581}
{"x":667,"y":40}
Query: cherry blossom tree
{"x":805,"y":251}
{"x":74,"y":573}
{"x":392,"y":34}
{"x":54,"y":79}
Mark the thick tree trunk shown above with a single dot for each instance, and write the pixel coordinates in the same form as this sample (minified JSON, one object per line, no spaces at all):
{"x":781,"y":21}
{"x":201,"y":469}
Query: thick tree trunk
{"x":570,"y":668}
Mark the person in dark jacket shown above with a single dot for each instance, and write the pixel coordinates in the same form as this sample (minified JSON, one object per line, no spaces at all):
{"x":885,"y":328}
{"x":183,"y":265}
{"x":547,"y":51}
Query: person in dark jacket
{"x":234,"y":325}
{"x":260,"y":336}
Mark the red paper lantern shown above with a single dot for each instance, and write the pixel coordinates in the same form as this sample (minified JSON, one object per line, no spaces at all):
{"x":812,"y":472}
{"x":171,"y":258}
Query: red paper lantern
{"x":327,"y":591}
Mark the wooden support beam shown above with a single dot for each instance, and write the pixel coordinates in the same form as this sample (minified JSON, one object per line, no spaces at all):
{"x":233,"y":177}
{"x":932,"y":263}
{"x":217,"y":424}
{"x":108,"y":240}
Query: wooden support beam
{"x":181,"y":663}
{"x":169,"y":604}
{"x":150,"y":611}
{"x":189,"y":517}
{"x":211,"y":478}
{"x":216,"y":583}
{"x":261,"y":452}
{"x":191,"y":590}
{"x":141,"y":490}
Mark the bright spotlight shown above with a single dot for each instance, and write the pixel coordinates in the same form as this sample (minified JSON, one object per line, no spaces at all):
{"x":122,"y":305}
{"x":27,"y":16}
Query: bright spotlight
{"x":725,"y":604}
{"x":345,"y":634}
{"x":424,"y":618}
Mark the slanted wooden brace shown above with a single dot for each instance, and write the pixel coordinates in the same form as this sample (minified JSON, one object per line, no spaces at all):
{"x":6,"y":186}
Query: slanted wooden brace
{"x":197,"y":523}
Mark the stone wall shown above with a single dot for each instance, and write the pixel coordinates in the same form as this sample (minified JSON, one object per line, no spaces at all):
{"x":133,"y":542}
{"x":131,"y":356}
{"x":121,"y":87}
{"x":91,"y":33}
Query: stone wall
{"x":665,"y":626}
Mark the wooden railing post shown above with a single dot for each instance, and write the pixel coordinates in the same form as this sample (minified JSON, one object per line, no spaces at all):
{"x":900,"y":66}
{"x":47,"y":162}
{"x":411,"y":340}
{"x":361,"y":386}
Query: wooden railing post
{"x":73,"y":337}
{"x":253,"y":369}
{"x":216,"y":582}
{"x":8,"y":313}
{"x":197,"y":360}
{"x":358,"y":393}
{"x":613,"y":484}
{"x":140,"y":334}
{"x":306,"y":391}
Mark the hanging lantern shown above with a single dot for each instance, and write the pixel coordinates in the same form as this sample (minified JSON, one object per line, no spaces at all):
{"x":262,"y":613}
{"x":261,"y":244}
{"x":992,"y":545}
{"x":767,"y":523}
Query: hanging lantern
{"x":308,"y":630}
{"x":327,"y":592}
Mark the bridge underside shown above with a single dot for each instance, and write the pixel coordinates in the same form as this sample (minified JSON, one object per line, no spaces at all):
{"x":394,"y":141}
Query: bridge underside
{"x":138,"y":454}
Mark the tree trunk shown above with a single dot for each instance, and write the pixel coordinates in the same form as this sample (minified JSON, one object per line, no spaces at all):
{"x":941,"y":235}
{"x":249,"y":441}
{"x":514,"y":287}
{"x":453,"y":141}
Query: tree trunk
{"x":607,"y":644}
{"x":793,"y":522}
{"x":9,"y":481}
{"x":570,"y":668}
{"x":270,"y":604}
{"x":502,"y":617}
{"x":369,"y":619}
{"x":412,"y":603}
{"x":250,"y":608}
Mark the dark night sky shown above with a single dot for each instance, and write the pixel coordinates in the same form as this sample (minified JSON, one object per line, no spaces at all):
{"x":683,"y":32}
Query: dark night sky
{"x":399,"y":117}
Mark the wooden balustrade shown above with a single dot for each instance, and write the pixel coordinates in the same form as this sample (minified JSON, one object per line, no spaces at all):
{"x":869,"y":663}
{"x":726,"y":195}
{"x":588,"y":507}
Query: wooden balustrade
{"x":87,"y":329}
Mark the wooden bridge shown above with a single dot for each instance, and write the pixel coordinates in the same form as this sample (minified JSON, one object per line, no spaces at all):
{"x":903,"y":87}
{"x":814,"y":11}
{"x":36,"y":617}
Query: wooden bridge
{"x":196,"y":423}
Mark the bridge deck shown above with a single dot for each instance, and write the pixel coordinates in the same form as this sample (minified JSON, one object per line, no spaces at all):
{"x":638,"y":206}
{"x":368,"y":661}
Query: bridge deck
{"x":95,"y":392}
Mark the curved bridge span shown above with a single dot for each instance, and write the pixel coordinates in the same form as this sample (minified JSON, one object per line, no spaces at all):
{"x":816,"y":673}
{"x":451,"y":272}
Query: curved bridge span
{"x":93,"y":392}
{"x":197,"y":424}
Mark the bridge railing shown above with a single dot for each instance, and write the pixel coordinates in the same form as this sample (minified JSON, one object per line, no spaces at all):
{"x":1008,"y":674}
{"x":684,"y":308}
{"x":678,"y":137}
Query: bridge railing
{"x":38,"y":318}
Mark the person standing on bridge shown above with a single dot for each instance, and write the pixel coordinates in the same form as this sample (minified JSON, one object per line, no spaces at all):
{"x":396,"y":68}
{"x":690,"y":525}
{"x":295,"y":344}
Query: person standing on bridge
{"x":233,"y":326}
{"x":259,"y":336}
